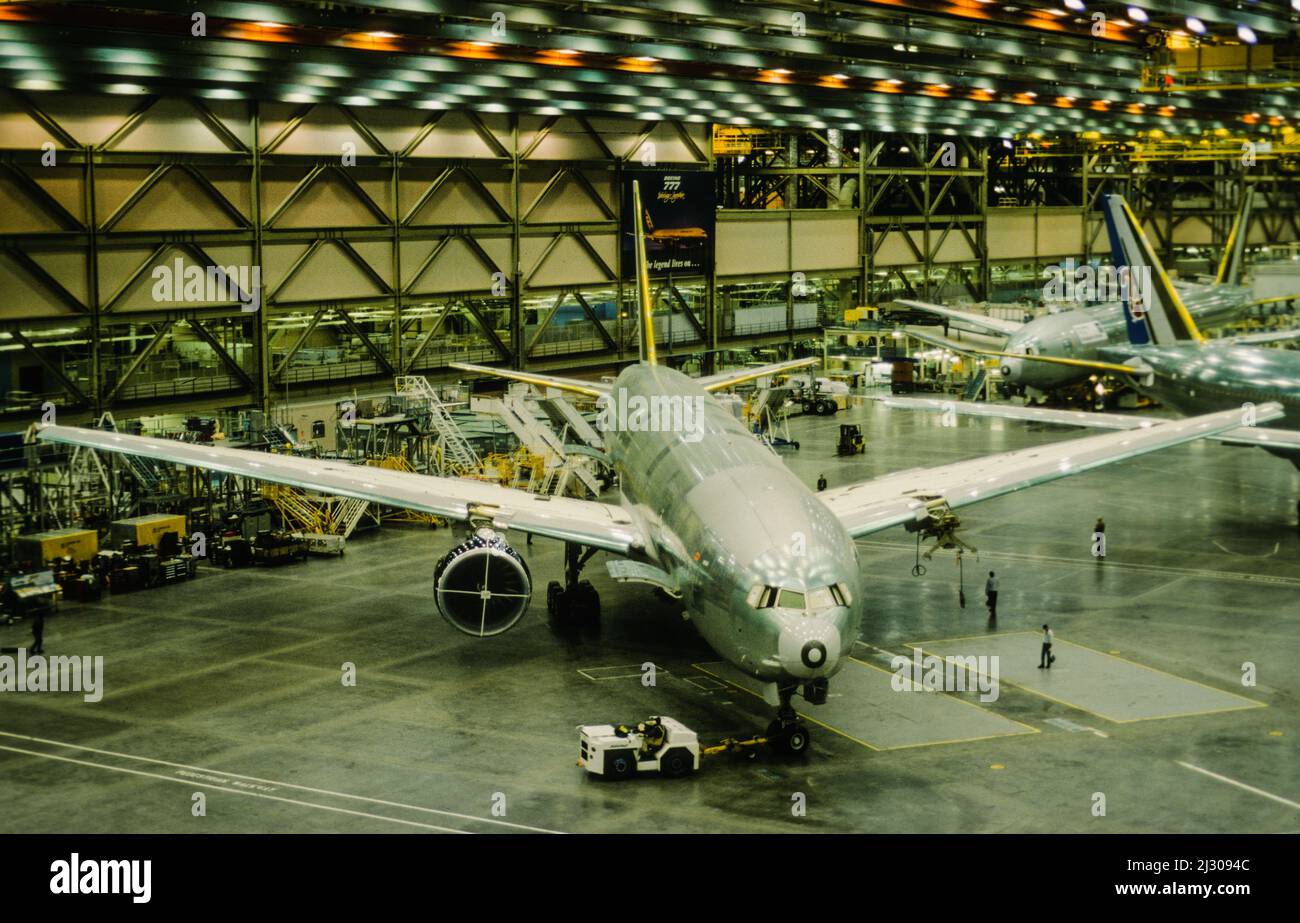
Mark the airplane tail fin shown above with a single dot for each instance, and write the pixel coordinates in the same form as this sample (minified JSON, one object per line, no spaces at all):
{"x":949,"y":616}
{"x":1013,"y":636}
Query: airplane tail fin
{"x":1153,"y":310}
{"x":646,"y":307}
{"x":1234,"y":251}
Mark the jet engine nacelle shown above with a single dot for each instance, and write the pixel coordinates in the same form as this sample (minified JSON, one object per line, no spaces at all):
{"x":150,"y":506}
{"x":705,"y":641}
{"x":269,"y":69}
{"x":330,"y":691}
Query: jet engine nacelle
{"x":482,"y":586}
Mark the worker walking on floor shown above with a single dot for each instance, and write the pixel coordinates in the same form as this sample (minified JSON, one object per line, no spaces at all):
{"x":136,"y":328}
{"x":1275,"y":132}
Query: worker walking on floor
{"x":1099,"y":540}
{"x":1046,"y":658}
{"x":821,"y":482}
{"x":38,"y":633}
{"x":991,"y":594}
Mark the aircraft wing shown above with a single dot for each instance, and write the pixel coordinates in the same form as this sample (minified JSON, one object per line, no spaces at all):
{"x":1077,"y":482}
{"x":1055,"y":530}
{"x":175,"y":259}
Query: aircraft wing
{"x":1018,"y":412}
{"x":1263,"y":336}
{"x":905,"y":496}
{"x":943,"y":342}
{"x":587,"y":522}
{"x":738,"y":376}
{"x":979,"y":321}
{"x":574,"y":385}
{"x":1243,"y":435}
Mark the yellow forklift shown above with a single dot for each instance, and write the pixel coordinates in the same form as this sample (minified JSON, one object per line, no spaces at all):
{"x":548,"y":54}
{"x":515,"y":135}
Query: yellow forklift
{"x":852,"y":442}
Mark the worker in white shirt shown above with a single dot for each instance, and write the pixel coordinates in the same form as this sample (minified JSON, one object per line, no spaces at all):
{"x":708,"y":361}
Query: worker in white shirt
{"x":991,"y":594}
{"x":1046,"y":658}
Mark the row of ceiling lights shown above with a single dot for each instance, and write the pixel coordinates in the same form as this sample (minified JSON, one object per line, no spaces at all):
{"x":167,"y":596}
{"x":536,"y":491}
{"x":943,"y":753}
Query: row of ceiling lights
{"x":890,"y":85}
{"x":381,"y":40}
{"x":1139,"y":15}
{"x":894,"y":85}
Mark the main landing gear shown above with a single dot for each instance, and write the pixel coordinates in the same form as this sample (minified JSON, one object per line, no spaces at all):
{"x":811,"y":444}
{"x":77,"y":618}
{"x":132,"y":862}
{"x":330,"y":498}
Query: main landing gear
{"x":787,"y":733}
{"x":576,"y":603}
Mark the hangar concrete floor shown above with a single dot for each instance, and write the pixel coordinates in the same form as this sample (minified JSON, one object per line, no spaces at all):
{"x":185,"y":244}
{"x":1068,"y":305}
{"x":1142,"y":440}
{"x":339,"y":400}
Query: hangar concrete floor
{"x":230,"y":685}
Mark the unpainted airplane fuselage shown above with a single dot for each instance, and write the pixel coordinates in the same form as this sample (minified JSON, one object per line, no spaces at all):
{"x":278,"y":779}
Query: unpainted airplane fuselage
{"x":1194,"y":379}
{"x":729,"y":520}
{"x":1083,"y":333}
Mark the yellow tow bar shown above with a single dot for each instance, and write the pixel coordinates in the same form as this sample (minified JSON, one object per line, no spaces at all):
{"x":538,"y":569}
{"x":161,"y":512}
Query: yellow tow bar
{"x":733,"y":745}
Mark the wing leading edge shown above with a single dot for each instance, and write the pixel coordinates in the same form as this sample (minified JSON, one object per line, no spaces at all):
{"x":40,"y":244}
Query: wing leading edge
{"x":601,"y":525}
{"x":870,"y":506}
{"x":1263,"y":437}
{"x":572,"y":385}
{"x":739,"y":376}
{"x":994,"y":325}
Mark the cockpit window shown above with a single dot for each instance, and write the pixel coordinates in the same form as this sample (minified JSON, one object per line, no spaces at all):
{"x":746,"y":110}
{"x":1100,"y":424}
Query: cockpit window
{"x":814,"y":600}
{"x":790,"y":599}
{"x":821,"y":598}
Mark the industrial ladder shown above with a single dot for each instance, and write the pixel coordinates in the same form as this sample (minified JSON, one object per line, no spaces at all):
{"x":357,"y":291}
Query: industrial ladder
{"x":456,"y":455}
{"x":975,"y":387}
{"x":537,"y":435}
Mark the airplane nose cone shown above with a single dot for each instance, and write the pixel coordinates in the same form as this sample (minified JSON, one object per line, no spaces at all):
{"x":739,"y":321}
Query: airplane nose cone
{"x":810,"y":647}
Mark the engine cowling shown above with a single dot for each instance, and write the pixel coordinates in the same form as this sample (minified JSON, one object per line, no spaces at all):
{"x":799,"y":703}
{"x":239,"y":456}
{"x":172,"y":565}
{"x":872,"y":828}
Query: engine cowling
{"x":482,"y":586}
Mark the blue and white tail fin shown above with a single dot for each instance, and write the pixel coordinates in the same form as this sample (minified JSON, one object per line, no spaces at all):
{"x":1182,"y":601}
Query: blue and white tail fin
{"x":1153,"y":310}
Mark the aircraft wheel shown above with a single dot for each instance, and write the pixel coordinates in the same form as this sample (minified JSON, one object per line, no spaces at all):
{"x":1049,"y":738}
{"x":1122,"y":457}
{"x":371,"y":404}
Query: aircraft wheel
{"x":586,"y":602}
{"x":790,"y":739}
{"x":553,"y":594}
{"x":796,"y":739}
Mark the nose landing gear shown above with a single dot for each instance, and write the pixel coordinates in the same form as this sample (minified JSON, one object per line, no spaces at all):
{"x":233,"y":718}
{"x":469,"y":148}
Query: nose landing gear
{"x":787,"y":734}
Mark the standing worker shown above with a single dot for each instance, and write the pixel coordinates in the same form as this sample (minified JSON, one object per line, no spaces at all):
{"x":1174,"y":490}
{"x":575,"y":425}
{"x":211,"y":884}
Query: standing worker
{"x":821,"y":482}
{"x":991,"y":595}
{"x":1099,"y":540}
{"x":1046,"y":658}
{"x":38,"y":633}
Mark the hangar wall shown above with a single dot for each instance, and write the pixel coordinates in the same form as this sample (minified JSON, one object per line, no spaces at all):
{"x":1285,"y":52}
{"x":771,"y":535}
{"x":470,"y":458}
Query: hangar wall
{"x":392,"y":241}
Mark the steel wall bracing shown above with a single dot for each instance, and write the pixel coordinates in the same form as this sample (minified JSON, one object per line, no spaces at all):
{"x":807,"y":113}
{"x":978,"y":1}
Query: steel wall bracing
{"x":392,"y":241}
{"x":416,"y":236}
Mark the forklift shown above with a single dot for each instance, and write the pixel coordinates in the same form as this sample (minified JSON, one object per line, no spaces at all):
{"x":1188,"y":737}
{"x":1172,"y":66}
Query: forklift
{"x":852,"y":442}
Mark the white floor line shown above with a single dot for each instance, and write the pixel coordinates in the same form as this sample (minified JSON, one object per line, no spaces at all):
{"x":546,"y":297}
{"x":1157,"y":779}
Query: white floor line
{"x":1241,"y":785}
{"x":301,"y":788}
{"x":232,"y":791}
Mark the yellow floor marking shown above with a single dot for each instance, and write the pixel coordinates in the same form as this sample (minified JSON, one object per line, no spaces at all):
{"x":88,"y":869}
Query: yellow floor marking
{"x":1251,"y":703}
{"x":881,"y":748}
{"x":1029,"y":729}
{"x":994,"y":634}
{"x":835,"y":730}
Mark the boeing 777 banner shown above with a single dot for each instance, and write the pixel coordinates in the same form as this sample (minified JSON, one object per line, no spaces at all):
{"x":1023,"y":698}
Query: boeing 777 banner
{"x":678,"y":211}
